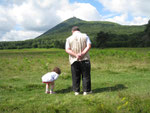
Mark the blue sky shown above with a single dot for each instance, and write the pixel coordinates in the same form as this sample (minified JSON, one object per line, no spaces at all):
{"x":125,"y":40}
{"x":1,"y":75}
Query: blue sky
{"x":27,"y":19}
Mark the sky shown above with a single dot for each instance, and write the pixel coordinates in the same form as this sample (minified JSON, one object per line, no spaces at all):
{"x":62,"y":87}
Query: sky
{"x":27,"y":19}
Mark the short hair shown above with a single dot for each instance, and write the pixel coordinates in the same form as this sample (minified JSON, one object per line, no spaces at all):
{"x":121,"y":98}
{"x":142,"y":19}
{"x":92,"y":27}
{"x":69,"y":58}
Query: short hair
{"x":57,"y":70}
{"x":75,"y":28}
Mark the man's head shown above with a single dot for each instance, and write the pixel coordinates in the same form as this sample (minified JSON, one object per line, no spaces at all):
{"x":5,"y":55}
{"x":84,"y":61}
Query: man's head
{"x":75,"y":28}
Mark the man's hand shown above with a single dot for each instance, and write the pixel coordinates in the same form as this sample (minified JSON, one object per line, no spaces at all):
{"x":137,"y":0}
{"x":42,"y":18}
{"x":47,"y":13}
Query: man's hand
{"x":78,"y":56}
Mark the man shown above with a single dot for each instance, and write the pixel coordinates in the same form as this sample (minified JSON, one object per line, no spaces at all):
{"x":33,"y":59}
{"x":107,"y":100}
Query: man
{"x":77,"y":46}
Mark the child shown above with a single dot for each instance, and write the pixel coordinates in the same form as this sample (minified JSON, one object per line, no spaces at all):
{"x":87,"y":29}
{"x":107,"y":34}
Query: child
{"x":49,"y":79}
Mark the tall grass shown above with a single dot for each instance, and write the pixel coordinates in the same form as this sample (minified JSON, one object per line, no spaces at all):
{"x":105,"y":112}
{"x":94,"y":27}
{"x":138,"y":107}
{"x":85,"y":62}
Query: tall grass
{"x":120,"y":82}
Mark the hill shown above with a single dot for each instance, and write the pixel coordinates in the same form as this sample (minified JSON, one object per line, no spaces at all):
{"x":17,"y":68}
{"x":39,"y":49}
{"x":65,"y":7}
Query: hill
{"x":63,"y":30}
{"x":119,"y":35}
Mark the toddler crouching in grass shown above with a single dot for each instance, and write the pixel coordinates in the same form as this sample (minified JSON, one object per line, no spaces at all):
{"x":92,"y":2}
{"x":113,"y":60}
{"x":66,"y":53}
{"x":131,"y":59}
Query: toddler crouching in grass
{"x":49,"y":79}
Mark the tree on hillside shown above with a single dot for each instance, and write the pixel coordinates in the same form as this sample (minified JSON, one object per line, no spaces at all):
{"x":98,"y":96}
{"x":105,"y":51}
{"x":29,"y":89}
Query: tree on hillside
{"x":147,"y":30}
{"x":101,"y":38}
{"x":146,"y":37}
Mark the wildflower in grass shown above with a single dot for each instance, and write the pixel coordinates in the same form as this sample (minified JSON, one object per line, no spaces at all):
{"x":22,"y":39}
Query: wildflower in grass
{"x":102,"y":106}
{"x":118,"y":108}
{"x":124,"y":104}
{"x":123,"y":98}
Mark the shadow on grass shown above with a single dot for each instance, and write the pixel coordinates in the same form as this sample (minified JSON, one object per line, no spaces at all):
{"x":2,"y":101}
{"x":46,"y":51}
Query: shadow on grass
{"x":117,"y":87}
{"x":66,"y":90}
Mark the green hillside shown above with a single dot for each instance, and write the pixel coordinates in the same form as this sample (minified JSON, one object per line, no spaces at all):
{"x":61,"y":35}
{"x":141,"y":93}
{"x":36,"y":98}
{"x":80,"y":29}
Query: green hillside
{"x":117,"y":35}
{"x":63,"y":30}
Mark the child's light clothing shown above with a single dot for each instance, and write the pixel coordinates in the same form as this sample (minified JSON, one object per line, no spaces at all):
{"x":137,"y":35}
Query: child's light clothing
{"x":49,"y":77}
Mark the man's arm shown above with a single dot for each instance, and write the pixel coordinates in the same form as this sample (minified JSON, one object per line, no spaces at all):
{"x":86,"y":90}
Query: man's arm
{"x":87,"y":47}
{"x":85,"y":50}
{"x":80,"y":55}
{"x":70,"y":52}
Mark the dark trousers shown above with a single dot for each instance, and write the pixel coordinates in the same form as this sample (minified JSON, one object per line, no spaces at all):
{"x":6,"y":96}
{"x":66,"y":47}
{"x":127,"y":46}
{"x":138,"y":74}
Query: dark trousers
{"x":81,"y":69}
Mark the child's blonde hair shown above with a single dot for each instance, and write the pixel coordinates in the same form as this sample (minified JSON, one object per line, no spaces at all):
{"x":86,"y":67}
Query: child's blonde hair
{"x":57,"y":70}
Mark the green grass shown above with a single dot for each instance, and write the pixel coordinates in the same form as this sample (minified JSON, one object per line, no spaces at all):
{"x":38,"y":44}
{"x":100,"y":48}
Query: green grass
{"x":120,"y":82}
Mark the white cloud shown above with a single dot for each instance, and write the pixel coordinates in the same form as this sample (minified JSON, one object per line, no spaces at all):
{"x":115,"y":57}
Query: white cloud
{"x":19,"y":35}
{"x":6,"y":23}
{"x":139,"y":21}
{"x":123,"y":20}
{"x":118,"y":19}
{"x":138,"y":9}
{"x":24,"y":19}
{"x":42,"y":15}
{"x":135,"y":7}
{"x":39,"y":16}
{"x":83,"y":11}
{"x":35,"y":15}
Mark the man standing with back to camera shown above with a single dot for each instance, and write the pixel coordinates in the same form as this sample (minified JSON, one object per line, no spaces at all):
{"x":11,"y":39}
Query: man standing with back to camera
{"x":77,"y":46}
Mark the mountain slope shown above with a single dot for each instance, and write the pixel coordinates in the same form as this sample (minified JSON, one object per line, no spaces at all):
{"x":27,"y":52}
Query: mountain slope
{"x":118,"y":35}
{"x":63,"y":30}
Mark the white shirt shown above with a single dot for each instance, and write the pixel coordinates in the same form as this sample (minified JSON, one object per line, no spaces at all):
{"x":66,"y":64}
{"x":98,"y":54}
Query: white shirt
{"x":73,"y":35}
{"x":49,"y":77}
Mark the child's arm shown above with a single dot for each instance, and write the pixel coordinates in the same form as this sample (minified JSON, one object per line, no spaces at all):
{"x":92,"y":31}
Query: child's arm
{"x":56,"y":76}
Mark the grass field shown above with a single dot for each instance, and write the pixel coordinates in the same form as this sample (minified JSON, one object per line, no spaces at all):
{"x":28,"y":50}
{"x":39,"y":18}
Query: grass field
{"x":120,"y":82}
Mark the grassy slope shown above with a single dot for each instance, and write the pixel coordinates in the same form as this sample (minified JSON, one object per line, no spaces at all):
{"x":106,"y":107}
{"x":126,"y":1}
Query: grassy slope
{"x":63,"y":30}
{"x":120,"y":82}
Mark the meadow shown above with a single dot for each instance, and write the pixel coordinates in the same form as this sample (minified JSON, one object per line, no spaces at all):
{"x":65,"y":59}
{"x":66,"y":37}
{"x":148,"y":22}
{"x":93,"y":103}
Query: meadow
{"x":120,"y":82}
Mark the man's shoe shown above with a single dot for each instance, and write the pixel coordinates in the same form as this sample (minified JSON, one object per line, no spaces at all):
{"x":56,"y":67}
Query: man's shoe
{"x":86,"y":93}
{"x":76,"y":93}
